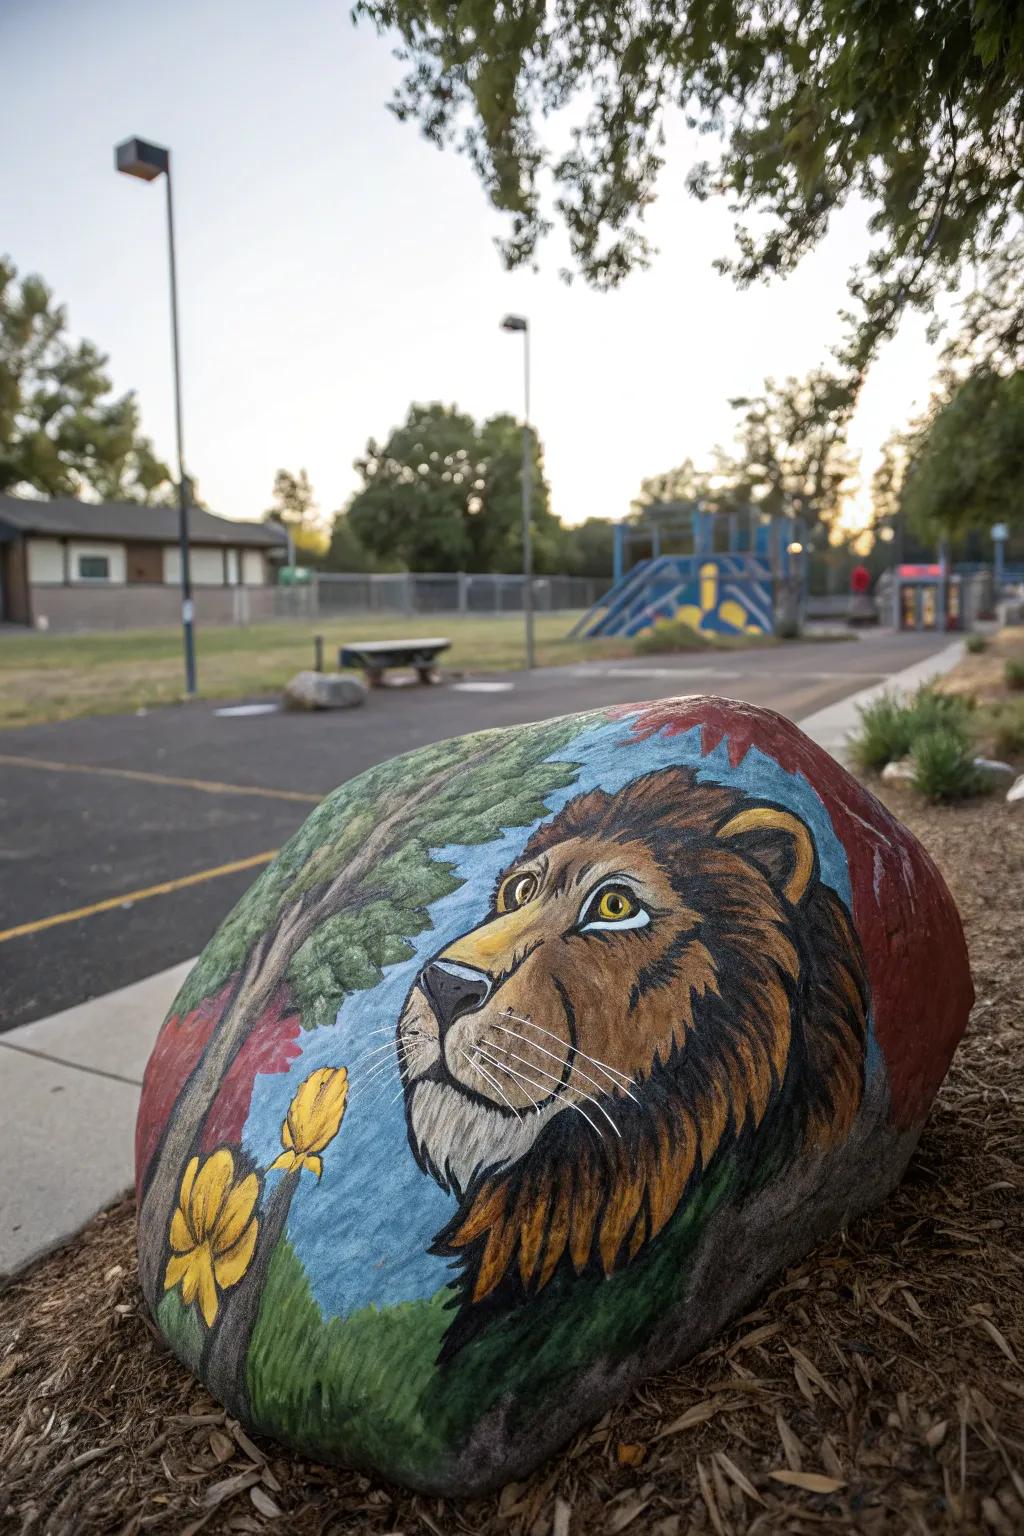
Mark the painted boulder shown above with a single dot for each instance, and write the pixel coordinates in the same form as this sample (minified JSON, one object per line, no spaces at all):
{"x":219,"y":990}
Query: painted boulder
{"x":529,"y":1061}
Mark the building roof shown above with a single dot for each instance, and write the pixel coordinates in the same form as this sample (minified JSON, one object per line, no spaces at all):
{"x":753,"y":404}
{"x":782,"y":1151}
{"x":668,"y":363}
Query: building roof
{"x":63,"y":517}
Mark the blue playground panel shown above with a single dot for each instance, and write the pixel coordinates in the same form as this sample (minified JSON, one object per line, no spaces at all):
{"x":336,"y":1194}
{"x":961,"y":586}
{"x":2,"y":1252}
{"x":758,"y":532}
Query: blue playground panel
{"x":721,"y":594}
{"x":718,"y":593}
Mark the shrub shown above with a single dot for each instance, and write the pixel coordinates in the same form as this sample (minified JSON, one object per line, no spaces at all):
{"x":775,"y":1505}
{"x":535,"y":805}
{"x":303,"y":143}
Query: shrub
{"x":669,"y":635}
{"x":1013,"y":672}
{"x":976,"y":644}
{"x":884,"y":734}
{"x":1008,"y":729}
{"x":944,"y":765}
{"x":890,"y":726}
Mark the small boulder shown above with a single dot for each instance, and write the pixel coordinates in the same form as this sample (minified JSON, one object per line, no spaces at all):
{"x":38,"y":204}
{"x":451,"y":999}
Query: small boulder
{"x":902,"y":771}
{"x":324,"y":690}
{"x":992,"y":768}
{"x":1015,"y":793}
{"x":532,"y":1059}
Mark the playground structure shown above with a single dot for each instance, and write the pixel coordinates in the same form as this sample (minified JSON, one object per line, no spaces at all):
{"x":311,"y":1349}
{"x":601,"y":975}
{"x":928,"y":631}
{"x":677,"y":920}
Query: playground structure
{"x":731,"y":578}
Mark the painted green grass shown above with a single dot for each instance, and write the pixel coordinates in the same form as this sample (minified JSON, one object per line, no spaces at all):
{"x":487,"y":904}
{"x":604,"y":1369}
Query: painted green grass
{"x":366,"y":1390}
{"x":60,"y":677}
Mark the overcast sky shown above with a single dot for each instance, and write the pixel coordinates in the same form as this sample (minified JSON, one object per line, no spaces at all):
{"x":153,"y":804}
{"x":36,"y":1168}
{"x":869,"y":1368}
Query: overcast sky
{"x":333,"y":266}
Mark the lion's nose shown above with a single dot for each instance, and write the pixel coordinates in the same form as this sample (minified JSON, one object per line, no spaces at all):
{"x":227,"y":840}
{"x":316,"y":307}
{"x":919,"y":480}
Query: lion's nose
{"x":454,"y":989}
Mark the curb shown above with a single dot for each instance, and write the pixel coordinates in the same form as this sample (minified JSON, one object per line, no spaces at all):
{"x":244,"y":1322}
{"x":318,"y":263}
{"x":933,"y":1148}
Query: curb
{"x":69,"y":1091}
{"x":831,"y":727}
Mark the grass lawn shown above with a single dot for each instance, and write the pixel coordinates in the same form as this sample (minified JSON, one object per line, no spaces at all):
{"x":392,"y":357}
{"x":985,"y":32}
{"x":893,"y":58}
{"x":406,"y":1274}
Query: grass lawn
{"x":56,"y":677}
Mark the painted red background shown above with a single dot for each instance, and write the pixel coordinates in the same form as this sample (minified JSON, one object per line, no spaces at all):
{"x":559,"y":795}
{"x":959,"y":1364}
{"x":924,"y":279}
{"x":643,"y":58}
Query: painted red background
{"x":910,"y":929}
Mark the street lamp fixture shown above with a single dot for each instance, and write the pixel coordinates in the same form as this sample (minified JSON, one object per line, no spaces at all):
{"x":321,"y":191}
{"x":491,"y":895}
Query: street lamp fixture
{"x":136,"y":157}
{"x":519,"y":323}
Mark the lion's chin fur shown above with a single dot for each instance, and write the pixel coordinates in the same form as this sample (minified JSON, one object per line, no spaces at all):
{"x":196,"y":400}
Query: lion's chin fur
{"x":456,"y":1139}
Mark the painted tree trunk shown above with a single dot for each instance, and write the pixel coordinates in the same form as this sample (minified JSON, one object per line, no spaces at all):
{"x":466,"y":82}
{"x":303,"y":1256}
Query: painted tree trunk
{"x":224,"y":1358}
{"x":263,"y":973}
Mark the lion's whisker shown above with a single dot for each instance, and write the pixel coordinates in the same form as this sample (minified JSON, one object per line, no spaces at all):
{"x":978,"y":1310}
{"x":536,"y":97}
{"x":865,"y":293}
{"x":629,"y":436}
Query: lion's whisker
{"x":511,"y":1072}
{"x":382,"y":1070}
{"x":377,"y":1050}
{"x":489,"y":1079}
{"x":612,"y":1072}
{"x":601,"y":1087}
{"x":558,"y":1081}
{"x":396,"y":1040}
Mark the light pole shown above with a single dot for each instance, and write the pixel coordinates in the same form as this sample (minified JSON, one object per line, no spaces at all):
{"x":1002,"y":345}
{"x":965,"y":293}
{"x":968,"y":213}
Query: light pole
{"x":518,"y":323}
{"x":148,"y":161}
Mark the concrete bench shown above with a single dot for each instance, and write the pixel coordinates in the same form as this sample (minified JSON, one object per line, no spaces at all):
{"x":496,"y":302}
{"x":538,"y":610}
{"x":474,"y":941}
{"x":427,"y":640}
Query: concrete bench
{"x":377,"y":656}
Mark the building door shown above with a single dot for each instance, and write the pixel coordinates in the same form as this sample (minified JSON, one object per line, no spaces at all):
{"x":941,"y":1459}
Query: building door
{"x":144,"y":563}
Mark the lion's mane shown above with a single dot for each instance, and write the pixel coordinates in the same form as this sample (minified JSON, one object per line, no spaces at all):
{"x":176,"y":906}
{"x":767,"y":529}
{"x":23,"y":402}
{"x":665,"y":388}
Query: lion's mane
{"x":779,"y":1003}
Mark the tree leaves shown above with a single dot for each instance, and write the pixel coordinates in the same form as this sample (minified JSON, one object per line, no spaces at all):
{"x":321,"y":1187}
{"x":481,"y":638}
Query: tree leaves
{"x":445,"y":494}
{"x":916,"y":109}
{"x":58,"y":434}
{"x":478,"y":786}
{"x":966,"y":458}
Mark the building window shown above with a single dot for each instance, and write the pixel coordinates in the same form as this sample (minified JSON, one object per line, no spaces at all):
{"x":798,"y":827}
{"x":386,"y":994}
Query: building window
{"x":94,"y":568}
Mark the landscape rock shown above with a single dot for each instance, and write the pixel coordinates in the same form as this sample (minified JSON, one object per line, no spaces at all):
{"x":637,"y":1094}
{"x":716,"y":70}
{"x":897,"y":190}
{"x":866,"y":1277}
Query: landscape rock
{"x":324,"y":690}
{"x":526,"y":1066}
{"x":993,"y":767}
{"x":902,"y":771}
{"x":1015,"y":793}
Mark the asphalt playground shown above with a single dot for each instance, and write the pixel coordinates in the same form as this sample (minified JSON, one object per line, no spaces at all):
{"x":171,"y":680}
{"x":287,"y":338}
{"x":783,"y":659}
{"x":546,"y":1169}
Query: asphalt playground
{"x":125,"y":840}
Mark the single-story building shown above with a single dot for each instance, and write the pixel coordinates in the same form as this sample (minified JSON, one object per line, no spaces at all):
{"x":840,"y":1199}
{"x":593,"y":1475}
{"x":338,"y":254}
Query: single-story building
{"x":68,"y":565}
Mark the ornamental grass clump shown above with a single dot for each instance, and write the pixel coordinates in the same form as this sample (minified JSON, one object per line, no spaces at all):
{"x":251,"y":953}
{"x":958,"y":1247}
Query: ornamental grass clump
{"x":1013,"y":674}
{"x":884,"y":735}
{"x":1008,"y":729}
{"x":944,"y":767}
{"x":669,"y":635}
{"x":889,"y":726}
{"x":976,"y":644}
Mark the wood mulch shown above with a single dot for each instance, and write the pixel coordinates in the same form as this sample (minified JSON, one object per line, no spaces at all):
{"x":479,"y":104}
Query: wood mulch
{"x":877,"y":1388}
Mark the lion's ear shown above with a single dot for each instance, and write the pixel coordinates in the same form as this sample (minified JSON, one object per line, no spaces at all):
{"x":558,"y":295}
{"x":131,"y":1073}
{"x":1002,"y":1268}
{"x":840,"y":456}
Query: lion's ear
{"x":779,"y":843}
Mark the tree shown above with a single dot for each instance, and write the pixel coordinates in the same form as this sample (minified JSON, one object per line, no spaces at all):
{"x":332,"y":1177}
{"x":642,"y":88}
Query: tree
{"x":792,"y":458}
{"x":59,"y":435}
{"x":588,"y":548}
{"x":339,"y":904}
{"x":296,"y":511}
{"x":917,"y":109}
{"x":345,"y":552}
{"x":444,"y":494}
{"x":966,"y":458}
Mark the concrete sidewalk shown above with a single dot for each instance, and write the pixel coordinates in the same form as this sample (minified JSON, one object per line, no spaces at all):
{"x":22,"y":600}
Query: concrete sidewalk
{"x":69,"y":1084}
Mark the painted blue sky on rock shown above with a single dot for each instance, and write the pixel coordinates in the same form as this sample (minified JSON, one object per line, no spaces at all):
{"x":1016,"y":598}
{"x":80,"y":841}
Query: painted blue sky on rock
{"x":363,"y":1232}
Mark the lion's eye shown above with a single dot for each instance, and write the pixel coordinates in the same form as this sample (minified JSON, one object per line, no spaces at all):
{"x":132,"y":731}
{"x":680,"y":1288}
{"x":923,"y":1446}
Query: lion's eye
{"x":613,"y":908}
{"x":516,"y":891}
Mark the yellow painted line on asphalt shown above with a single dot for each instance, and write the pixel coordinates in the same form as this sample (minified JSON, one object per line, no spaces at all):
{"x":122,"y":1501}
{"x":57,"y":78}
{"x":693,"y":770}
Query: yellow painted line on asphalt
{"x":132,"y":896}
{"x":209,"y":786}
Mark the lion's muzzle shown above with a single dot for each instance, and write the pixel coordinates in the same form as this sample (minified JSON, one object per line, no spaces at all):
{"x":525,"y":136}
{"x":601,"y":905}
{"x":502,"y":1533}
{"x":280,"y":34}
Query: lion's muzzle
{"x":453,"y":989}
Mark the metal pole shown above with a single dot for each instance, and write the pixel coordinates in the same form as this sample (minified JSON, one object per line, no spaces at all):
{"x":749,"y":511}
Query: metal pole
{"x":527,"y":518}
{"x":186,"y":571}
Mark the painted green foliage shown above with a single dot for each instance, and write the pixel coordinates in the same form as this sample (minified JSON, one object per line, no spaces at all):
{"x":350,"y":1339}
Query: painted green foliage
{"x":348,"y":950}
{"x":340,"y":903}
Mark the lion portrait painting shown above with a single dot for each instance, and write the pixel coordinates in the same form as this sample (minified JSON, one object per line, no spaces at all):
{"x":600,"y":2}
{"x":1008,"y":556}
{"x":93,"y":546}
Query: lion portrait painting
{"x":662,"y":977}
{"x":528,"y":1065}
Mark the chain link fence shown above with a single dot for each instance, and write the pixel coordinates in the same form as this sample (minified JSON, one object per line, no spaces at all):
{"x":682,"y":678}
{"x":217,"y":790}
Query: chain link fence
{"x":449,"y":592}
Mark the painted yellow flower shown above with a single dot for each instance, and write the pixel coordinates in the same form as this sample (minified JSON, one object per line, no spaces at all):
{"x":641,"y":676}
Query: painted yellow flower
{"x":213,"y":1231}
{"x":314,"y":1118}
